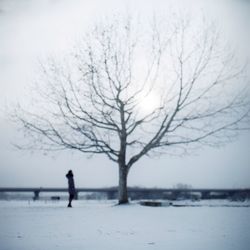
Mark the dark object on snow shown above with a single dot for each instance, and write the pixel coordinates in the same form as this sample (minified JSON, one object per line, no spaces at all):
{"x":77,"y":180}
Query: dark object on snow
{"x":71,"y":187}
{"x":151,"y":203}
{"x":55,"y":198}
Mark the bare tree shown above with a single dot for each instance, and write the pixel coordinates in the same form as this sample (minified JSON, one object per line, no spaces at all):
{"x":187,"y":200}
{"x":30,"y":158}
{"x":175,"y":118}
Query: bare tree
{"x":128,"y":91}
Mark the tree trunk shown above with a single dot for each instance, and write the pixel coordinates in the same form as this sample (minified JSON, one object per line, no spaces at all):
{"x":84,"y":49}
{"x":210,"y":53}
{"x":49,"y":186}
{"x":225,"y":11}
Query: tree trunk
{"x":123,"y":170}
{"x":123,"y":192}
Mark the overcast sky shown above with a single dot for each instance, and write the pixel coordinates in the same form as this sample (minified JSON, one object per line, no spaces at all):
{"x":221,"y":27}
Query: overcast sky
{"x":33,"y":29}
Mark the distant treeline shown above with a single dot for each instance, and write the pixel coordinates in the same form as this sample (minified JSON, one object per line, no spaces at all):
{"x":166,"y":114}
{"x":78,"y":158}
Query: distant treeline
{"x":136,"y":193}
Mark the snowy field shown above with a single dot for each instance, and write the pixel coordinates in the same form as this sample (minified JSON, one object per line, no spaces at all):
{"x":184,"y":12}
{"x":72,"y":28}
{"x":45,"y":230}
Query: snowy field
{"x":28,"y":225}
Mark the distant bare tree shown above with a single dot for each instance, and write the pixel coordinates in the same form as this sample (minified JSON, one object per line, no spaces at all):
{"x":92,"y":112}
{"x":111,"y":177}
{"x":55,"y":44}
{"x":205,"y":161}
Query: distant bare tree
{"x":128,"y":91}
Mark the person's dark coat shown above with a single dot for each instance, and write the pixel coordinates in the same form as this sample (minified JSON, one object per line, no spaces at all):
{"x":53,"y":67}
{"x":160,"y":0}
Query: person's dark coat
{"x":71,"y":184}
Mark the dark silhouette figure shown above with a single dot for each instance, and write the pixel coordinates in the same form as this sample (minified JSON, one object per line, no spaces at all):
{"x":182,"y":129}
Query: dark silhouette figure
{"x":71,"y":187}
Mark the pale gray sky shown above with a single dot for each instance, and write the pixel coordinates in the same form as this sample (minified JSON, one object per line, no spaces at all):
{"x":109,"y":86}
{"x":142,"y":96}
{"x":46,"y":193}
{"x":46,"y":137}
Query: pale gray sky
{"x":32,"y":29}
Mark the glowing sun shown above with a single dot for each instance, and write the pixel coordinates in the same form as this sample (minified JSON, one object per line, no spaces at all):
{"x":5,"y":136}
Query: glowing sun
{"x":149,"y":103}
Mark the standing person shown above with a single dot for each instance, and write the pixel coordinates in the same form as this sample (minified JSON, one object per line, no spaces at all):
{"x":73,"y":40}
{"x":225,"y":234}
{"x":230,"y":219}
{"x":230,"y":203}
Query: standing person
{"x":71,"y":186}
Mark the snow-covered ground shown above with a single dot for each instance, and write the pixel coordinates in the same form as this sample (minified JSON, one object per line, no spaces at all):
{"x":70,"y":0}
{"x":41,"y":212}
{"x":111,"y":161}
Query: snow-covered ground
{"x":48,"y":225}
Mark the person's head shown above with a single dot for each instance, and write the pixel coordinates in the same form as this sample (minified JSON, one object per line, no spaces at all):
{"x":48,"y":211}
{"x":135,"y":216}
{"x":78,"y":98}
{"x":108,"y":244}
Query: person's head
{"x":70,"y":172}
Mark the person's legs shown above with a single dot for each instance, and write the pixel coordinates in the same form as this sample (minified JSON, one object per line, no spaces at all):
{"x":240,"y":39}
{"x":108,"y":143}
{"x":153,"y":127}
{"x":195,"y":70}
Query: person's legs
{"x":71,"y":197}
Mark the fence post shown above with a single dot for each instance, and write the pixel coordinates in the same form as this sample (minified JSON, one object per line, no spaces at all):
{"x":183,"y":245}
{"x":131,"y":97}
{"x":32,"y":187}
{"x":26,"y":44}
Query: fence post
{"x":36,"y":195}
